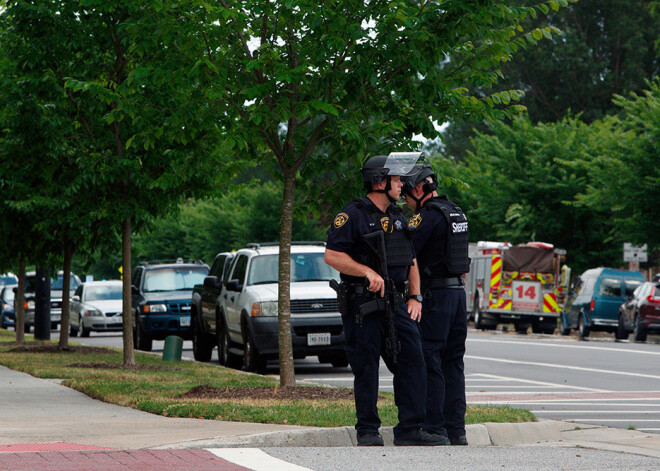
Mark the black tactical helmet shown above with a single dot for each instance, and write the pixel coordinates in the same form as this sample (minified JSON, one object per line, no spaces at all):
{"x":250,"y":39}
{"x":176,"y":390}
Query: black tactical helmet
{"x":418,"y":174}
{"x":377,"y":168}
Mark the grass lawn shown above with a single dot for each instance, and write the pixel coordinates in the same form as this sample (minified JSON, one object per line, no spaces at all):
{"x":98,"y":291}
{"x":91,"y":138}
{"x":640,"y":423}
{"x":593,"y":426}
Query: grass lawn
{"x":156,"y":385}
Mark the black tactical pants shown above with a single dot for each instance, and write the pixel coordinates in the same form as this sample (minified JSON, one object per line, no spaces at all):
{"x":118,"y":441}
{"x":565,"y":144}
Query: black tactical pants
{"x":444,"y":330}
{"x":365,"y":344}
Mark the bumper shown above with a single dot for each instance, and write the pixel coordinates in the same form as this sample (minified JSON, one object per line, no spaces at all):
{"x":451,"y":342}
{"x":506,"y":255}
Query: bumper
{"x":159,"y":326}
{"x":506,"y":315}
{"x":265,"y":334}
{"x":104,"y":324}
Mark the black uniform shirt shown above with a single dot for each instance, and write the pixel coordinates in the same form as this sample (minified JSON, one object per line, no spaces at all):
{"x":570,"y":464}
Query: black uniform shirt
{"x":431,"y":232}
{"x":347,"y":230}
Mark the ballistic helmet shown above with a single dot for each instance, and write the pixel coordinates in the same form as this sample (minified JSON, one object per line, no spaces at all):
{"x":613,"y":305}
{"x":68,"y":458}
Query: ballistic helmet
{"x":377,"y":168}
{"x":418,"y":174}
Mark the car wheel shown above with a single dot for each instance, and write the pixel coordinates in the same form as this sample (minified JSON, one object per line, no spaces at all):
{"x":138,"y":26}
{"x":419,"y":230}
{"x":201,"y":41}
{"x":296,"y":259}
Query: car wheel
{"x":253,"y":360}
{"x":225,"y":357}
{"x":621,"y":332}
{"x":84,"y":331}
{"x":640,"y":331}
{"x":548,"y":326}
{"x":73,"y":332}
{"x":144,"y":342}
{"x":583,"y":330}
{"x":521,"y":328}
{"x":202,"y":347}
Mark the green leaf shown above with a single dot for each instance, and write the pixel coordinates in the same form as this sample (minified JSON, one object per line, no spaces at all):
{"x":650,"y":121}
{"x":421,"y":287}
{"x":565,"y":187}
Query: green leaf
{"x":537,"y":34}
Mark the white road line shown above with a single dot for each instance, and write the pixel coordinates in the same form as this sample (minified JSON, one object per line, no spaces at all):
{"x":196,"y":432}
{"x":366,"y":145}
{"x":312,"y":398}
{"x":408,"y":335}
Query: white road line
{"x":529,"y":381}
{"x":611,"y":420}
{"x":580,"y":346}
{"x":576,"y":368}
{"x":255,"y":459}
{"x":491,"y":386}
{"x":648,"y":429}
{"x":585,"y":403}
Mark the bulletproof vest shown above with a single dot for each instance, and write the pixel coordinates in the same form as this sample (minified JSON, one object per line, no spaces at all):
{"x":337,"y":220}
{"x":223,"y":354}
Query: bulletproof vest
{"x":449,"y":257}
{"x":397,"y":238}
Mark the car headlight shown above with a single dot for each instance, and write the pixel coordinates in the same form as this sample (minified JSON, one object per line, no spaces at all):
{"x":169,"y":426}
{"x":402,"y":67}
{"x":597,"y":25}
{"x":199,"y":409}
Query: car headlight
{"x":91,"y":312}
{"x":264,"y":309}
{"x":29,"y":304}
{"x":155,"y":308}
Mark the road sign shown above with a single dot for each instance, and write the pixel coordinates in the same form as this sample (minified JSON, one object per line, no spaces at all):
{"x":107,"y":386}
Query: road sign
{"x":633,"y":253}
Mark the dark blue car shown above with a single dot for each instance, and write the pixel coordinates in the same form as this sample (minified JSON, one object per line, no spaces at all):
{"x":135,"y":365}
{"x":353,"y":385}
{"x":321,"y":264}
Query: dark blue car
{"x":593,"y":303}
{"x":7,"y":295}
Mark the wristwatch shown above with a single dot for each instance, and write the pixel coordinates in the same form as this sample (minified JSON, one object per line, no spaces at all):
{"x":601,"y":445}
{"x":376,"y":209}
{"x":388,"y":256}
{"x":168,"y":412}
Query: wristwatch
{"x":417,"y":297}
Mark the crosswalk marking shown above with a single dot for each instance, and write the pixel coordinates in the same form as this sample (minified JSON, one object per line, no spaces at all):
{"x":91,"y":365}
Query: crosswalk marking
{"x":255,"y":459}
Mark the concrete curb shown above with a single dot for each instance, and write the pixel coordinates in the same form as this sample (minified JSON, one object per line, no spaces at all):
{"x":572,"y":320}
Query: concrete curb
{"x":477,"y":435}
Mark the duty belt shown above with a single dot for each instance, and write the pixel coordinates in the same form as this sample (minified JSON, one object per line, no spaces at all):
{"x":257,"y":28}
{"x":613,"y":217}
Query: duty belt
{"x":435,"y":283}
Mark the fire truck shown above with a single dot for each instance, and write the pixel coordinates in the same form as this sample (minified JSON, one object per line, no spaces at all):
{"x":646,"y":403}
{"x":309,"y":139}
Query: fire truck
{"x":525,"y":285}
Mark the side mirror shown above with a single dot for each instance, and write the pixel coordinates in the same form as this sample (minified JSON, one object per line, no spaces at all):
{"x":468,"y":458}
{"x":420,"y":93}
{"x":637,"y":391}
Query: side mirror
{"x":234,"y":285}
{"x":76,"y":298}
{"x":134,"y":289}
{"x":211,"y":281}
{"x":15,"y":290}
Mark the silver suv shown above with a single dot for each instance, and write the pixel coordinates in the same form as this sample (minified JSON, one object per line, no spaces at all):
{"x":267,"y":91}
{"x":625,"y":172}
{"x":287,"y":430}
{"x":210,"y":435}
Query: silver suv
{"x":249,"y":306}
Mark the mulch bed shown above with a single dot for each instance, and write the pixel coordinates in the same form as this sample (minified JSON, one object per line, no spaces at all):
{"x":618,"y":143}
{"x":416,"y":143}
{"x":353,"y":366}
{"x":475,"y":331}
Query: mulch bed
{"x":37,"y":347}
{"x":119,"y":366}
{"x":263,"y":392}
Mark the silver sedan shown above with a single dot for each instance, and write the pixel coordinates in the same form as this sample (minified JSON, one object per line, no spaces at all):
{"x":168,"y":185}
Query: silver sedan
{"x":96,"y":305}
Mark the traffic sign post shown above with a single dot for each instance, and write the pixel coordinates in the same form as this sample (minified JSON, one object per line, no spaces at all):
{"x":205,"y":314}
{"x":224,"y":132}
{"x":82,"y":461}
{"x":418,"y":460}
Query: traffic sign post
{"x":634,"y":255}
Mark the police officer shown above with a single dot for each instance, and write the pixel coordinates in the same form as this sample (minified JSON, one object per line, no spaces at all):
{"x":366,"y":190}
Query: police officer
{"x":356,"y":258}
{"x":441,"y":244}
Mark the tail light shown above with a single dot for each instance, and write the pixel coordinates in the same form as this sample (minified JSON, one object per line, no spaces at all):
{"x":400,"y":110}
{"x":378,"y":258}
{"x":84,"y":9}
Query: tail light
{"x":653,"y":299}
{"x":592,"y":306}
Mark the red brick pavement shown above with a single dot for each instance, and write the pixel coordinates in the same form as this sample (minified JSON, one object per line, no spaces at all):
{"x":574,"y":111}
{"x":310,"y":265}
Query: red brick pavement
{"x":116,"y":460}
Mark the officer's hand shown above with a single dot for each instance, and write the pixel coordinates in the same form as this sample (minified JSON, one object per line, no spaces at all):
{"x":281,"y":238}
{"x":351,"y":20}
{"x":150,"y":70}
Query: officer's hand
{"x":376,"y":283}
{"x":414,"y":309}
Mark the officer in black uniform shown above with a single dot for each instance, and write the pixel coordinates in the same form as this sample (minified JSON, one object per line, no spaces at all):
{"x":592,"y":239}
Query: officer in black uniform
{"x":363,"y":283}
{"x":441,"y":244}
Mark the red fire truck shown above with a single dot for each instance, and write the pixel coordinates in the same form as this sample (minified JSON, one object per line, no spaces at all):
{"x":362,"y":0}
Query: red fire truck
{"x":523,"y":284}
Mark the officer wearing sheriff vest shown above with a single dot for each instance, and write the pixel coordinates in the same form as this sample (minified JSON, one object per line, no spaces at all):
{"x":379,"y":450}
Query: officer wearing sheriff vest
{"x":441,"y":244}
{"x":350,"y":251}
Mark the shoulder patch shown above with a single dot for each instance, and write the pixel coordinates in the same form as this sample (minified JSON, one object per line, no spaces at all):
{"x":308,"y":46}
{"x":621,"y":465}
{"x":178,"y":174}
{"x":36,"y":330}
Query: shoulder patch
{"x":415,"y":220}
{"x":340,"y":220}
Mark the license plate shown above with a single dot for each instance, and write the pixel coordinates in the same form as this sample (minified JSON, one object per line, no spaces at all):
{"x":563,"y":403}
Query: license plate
{"x":318,"y":339}
{"x":184,"y":321}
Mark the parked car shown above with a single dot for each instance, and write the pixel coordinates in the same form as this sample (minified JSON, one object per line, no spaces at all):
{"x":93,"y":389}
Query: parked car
{"x":8,"y":279}
{"x":246,"y":319}
{"x":96,"y":306}
{"x":55,"y":297}
{"x":641,"y":313}
{"x":7,"y":317}
{"x":161,"y":299}
{"x":593,"y":302}
{"x":205,"y":311}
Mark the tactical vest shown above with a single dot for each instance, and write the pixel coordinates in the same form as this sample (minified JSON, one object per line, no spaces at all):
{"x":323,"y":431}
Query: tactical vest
{"x":451,"y":257}
{"x":397,"y":239}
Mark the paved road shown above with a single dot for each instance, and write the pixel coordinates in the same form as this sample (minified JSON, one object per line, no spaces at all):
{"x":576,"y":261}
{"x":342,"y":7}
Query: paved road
{"x":602,"y":382}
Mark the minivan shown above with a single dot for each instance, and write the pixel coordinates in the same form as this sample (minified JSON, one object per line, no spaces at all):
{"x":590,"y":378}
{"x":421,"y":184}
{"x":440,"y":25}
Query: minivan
{"x":593,"y":302}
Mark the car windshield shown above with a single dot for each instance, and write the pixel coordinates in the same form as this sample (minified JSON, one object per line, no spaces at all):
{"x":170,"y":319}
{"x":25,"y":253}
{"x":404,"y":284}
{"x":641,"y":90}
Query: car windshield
{"x":56,"y":284}
{"x":304,"y":267}
{"x":173,"y":278}
{"x":102,"y":292}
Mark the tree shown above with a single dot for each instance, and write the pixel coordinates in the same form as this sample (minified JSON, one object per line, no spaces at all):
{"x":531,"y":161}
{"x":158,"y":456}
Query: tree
{"x":624,"y":172}
{"x":139,"y":137}
{"x":523,"y":185}
{"x":319,"y":85}
{"x":604,"y":48}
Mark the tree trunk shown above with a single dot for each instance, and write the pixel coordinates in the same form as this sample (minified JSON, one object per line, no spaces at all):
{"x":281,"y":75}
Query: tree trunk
{"x":66,"y":294}
{"x":19,"y":314}
{"x":127,"y":315}
{"x":287,"y":374}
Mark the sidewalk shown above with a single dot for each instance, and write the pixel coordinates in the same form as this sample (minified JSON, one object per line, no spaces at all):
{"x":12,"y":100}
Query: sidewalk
{"x":65,"y":429}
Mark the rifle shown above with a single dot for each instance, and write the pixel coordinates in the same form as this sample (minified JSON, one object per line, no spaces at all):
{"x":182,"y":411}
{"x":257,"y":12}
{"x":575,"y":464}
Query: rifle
{"x":376,"y":243}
